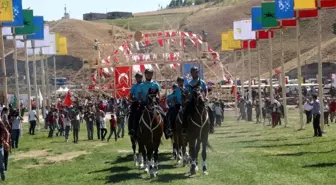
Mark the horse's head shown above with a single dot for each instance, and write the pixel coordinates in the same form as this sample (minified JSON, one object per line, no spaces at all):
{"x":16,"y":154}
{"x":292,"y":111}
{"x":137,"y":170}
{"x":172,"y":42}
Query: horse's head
{"x":152,"y":97}
{"x":197,"y":95}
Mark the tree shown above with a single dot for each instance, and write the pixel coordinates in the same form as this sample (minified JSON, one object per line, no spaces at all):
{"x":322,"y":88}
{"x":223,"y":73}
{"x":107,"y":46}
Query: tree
{"x":198,"y":2}
{"x":189,"y":2}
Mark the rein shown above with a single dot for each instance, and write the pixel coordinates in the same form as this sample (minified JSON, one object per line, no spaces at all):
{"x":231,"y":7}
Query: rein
{"x":149,"y":126}
{"x":202,"y":122}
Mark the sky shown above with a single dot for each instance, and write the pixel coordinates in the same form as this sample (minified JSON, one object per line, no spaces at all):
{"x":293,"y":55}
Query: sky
{"x":54,"y":9}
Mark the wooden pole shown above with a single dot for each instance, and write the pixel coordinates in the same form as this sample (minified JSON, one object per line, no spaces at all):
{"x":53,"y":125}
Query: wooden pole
{"x":242,"y":75}
{"x":17,"y":94}
{"x":320,"y":67}
{"x":283,"y":81}
{"x":299,"y":73}
{"x":37,"y":100}
{"x":271,"y":66}
{"x":3,"y":67}
{"x":249,"y":71}
{"x":259,"y":81}
{"x":236,"y":84}
{"x":27,"y":74}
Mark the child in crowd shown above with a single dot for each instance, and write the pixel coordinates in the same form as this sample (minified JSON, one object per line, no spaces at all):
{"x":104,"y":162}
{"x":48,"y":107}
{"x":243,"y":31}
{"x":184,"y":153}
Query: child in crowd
{"x":113,"y":126}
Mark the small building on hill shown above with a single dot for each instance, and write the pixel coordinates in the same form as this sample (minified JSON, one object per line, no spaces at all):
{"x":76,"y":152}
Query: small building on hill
{"x":94,"y":16}
{"x":118,"y":15}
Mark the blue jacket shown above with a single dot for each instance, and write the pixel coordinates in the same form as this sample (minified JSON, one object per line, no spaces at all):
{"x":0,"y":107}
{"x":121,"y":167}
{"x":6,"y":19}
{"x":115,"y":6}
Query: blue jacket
{"x":145,"y":86}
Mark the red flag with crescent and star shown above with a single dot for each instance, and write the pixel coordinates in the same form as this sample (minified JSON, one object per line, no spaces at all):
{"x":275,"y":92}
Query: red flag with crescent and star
{"x":123,"y":81}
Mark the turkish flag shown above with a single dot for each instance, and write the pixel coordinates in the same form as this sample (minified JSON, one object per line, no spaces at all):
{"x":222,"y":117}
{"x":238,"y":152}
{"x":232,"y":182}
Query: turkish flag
{"x":264,"y":34}
{"x":288,"y":23}
{"x":67,"y":100}
{"x":123,"y":81}
{"x":328,"y":3}
{"x":307,"y":13}
{"x":253,"y":44}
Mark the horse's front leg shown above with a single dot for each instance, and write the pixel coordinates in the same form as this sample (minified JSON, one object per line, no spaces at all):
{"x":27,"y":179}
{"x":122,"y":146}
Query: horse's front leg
{"x":135,"y":158}
{"x":192,"y":150}
{"x":198,"y":147}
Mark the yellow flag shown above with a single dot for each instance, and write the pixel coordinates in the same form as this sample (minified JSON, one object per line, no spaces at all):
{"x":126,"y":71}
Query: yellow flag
{"x":304,"y":4}
{"x":6,"y":11}
{"x":63,"y":46}
{"x":225,"y":42}
{"x":57,"y":37}
{"x":233,"y":44}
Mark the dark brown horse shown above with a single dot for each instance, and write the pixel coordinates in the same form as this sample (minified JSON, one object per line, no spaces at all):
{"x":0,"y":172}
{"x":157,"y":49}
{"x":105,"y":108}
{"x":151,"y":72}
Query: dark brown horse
{"x":198,"y":128}
{"x":151,"y":131}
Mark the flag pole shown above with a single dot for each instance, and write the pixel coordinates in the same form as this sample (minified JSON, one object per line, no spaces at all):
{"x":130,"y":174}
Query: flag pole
{"x":17,"y":94}
{"x":55,"y":87}
{"x":27,"y":74}
{"x":320,"y":74}
{"x":249,"y":70}
{"x":236,"y":84}
{"x":299,"y":69}
{"x":283,"y":77}
{"x":43,"y":82}
{"x":259,"y":81}
{"x":48,"y":102}
{"x":271,"y":65}
{"x":37,"y":101}
{"x":243,"y":76}
{"x":3,"y":67}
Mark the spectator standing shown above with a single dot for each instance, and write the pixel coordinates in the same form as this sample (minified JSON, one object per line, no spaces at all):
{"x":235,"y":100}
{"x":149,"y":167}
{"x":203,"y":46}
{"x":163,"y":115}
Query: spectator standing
{"x":326,"y":112}
{"x":67,"y":125}
{"x":103,"y":128}
{"x":113,"y":126}
{"x":32,"y":116}
{"x":4,"y":139}
{"x":316,"y":117}
{"x":121,"y":122}
{"x":219,"y":111}
{"x":307,"y":107}
{"x":332,"y":108}
{"x":16,"y":129}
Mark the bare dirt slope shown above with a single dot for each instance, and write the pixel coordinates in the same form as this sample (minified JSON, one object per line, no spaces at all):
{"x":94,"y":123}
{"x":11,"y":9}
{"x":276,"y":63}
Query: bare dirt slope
{"x":216,"y":20}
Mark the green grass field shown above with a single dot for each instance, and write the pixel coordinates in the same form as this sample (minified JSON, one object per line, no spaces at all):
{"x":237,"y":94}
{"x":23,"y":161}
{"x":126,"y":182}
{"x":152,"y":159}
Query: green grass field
{"x":244,"y":153}
{"x":153,"y":22}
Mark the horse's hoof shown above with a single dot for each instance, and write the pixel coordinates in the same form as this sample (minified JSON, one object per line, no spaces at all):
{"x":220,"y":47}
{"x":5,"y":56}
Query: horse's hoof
{"x":205,"y":173}
{"x":196,"y":168}
{"x":147,"y":170}
{"x":179,"y":161}
{"x":142,"y":166}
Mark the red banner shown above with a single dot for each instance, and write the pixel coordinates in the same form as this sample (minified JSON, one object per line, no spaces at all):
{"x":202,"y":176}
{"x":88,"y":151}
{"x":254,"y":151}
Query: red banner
{"x":264,"y":34}
{"x":328,"y":3}
{"x":253,"y":44}
{"x":123,"y":81}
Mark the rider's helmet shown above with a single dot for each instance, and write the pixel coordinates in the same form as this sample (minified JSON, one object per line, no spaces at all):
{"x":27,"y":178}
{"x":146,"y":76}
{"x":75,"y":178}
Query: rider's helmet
{"x":148,"y":71}
{"x":138,"y":74}
{"x":194,"y":68}
{"x":180,"y":79}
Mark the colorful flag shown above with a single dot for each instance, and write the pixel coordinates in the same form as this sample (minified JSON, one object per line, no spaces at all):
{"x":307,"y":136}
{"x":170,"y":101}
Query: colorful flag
{"x":256,"y":15}
{"x":186,"y":71}
{"x":233,"y":44}
{"x":38,"y":34}
{"x":288,"y":23}
{"x":268,"y":15}
{"x":242,"y":30}
{"x":6,"y":11}
{"x":264,"y":34}
{"x":123,"y":81}
{"x":304,"y":4}
{"x":18,"y":15}
{"x":328,"y":4}
{"x":253,"y":44}
{"x":284,"y":9}
{"x":225,"y":42}
{"x":46,"y":41}
{"x":306,"y":14}
{"x":62,"y":46}
{"x":28,"y":24}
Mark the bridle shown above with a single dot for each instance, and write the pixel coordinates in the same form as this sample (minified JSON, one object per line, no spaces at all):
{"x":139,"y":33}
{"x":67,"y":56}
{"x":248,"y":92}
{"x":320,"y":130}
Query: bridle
{"x":200,"y":110}
{"x":151,"y":107}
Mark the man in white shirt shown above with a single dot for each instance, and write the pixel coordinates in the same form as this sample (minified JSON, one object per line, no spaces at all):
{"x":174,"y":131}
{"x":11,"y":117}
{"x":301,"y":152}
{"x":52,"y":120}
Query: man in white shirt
{"x":307,"y":107}
{"x":32,"y":117}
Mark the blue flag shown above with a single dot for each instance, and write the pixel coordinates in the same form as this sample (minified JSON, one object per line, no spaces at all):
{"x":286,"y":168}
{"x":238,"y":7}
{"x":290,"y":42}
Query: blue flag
{"x":256,"y":14}
{"x":39,"y":29}
{"x":284,"y":9}
{"x":18,"y":15}
{"x":186,"y":71}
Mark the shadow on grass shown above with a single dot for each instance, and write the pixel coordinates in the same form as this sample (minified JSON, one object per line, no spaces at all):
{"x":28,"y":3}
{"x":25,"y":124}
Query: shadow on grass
{"x":169,"y":178}
{"x":114,"y":169}
{"x":262,"y":140}
{"x":320,"y":165}
{"x":278,"y":145}
{"x":122,"y":177}
{"x":302,"y":153}
{"x":122,"y":159}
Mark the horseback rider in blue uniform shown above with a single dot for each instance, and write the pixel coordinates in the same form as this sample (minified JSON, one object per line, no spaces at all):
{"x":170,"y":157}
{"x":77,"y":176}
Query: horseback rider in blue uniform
{"x":171,"y":106}
{"x":179,"y":98}
{"x":133,"y":121}
{"x":143,"y":91}
{"x":194,"y":71}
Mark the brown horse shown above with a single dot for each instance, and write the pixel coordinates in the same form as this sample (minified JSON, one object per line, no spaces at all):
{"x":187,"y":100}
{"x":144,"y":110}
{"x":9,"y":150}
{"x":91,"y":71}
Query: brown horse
{"x":151,"y":131}
{"x":198,"y":128}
